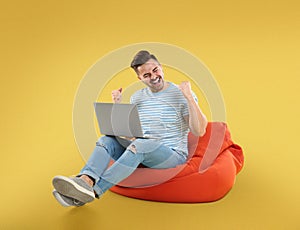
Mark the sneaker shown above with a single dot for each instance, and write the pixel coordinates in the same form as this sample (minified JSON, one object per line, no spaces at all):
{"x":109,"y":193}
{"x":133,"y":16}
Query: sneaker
{"x":74,"y":187}
{"x":66,"y":201}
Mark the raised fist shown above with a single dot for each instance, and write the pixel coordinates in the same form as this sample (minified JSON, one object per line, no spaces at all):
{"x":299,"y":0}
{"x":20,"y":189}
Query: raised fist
{"x":117,"y":95}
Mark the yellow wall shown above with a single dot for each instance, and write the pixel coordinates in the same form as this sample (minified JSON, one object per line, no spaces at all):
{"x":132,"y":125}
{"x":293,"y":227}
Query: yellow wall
{"x":251,"y":47}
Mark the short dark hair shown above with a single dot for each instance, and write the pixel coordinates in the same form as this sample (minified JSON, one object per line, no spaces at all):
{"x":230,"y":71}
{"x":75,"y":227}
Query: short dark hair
{"x":141,"y":58}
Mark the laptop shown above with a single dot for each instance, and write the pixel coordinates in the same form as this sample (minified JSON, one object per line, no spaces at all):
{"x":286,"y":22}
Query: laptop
{"x":119,"y":120}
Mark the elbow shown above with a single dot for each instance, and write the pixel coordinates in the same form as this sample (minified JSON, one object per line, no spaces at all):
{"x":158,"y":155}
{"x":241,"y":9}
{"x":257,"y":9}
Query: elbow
{"x":204,"y":128}
{"x":197,"y":133}
{"x":201,"y":132}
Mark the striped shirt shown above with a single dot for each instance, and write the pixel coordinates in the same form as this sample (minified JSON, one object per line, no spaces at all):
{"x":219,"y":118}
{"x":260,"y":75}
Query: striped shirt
{"x":162,"y":116}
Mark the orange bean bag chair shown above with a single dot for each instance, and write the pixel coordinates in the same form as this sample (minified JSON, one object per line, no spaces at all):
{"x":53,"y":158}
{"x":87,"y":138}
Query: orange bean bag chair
{"x":208,"y":175}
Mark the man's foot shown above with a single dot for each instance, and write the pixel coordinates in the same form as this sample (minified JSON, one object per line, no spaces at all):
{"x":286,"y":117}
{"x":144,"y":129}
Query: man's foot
{"x":74,"y":187}
{"x":66,"y":201}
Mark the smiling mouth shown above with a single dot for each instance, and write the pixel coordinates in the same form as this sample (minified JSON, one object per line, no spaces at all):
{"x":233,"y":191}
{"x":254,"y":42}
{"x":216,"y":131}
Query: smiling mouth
{"x":157,"y":80}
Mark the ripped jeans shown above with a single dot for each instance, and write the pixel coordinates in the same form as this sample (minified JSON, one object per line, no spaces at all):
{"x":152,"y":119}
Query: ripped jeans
{"x":149,"y":152}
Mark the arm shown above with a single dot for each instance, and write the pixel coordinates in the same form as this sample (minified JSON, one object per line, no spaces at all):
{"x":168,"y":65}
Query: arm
{"x":196,"y":119}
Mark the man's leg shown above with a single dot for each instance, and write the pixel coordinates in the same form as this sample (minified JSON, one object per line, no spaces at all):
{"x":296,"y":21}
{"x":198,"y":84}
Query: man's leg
{"x":107,"y":148}
{"x":149,"y":152}
{"x":80,"y":188}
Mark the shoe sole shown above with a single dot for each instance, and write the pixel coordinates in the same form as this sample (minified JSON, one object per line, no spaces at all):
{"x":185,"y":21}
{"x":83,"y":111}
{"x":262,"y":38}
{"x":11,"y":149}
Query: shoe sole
{"x":70,"y":188}
{"x":59,"y":199}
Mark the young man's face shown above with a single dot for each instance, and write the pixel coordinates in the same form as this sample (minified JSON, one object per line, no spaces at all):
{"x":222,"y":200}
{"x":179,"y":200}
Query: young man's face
{"x":151,"y":74}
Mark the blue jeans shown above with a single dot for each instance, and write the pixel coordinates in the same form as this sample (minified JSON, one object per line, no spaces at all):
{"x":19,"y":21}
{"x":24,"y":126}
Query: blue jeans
{"x":149,"y":152}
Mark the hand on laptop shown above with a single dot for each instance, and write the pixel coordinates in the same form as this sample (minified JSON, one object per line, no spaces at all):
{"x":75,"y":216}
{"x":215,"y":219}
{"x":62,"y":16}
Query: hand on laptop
{"x":117,"y":95}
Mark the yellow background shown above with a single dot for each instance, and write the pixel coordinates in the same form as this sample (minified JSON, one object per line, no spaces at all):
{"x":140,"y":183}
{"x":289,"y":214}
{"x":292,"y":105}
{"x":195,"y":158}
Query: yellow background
{"x":251,"y":47}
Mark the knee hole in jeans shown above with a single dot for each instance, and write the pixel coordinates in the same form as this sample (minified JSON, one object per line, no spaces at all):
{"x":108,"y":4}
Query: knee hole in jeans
{"x":99,"y":144}
{"x":132,"y":148}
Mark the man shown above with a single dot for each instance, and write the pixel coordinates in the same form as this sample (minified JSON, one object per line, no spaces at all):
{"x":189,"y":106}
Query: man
{"x":167,"y":112}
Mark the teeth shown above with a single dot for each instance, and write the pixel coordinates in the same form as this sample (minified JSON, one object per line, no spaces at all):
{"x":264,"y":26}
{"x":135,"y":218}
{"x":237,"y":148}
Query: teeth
{"x":156,"y":81}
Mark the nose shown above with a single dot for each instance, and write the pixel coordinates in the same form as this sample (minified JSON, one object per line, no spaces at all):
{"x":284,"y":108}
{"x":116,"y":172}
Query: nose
{"x":153,"y":75}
